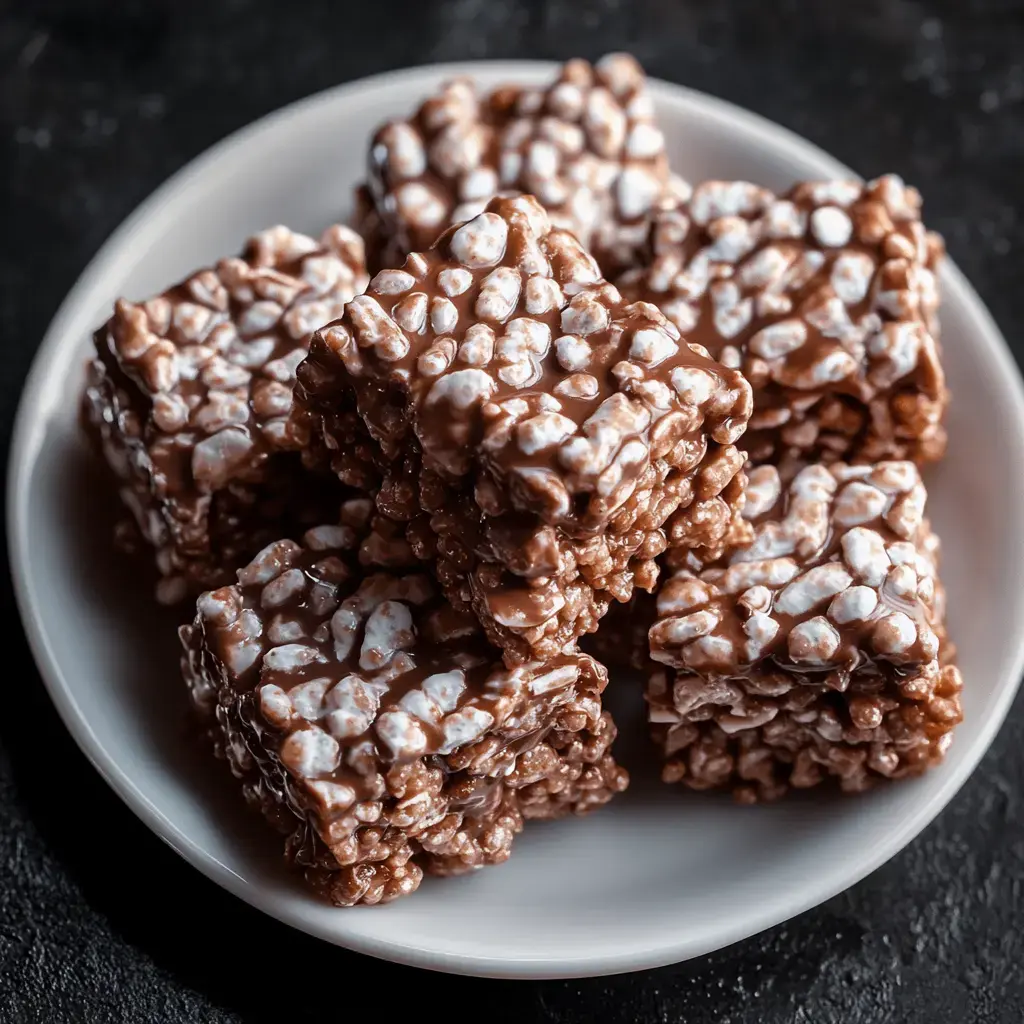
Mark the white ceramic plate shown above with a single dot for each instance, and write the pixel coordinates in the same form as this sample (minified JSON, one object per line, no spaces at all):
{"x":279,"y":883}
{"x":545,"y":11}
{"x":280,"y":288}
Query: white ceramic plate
{"x":657,"y":877}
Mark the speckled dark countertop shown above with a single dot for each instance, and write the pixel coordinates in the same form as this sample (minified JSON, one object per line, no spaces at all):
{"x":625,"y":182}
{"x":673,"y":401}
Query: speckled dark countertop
{"x":99,"y":102}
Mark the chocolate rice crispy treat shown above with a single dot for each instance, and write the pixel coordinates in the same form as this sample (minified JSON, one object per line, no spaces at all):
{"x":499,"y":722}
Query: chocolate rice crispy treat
{"x":189,"y":396}
{"x":587,"y":146}
{"x":534,"y":431}
{"x":826,"y":298}
{"x":814,"y":653}
{"x":375,"y":727}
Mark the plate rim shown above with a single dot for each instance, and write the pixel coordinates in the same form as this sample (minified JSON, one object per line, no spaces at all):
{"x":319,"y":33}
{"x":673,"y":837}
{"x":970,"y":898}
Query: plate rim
{"x":28,"y":434}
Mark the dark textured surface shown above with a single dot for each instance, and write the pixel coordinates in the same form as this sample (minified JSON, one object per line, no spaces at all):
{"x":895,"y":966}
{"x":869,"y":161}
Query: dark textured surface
{"x":99,"y":921}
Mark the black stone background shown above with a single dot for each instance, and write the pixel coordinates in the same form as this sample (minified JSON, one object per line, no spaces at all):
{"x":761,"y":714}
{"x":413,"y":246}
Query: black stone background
{"x":99,"y":102}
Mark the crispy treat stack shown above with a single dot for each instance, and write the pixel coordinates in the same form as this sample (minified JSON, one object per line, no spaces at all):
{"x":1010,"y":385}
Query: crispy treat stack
{"x":572,"y":384}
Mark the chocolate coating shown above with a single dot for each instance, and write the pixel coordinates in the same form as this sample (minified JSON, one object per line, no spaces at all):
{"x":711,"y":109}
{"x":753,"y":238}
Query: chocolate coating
{"x":587,"y":146}
{"x":189,"y":396}
{"x":534,"y":430}
{"x":817,"y":648}
{"x":375,"y":726}
{"x":826,"y":298}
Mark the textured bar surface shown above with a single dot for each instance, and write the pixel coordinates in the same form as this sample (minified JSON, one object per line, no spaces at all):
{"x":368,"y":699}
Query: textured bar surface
{"x":535,"y":431}
{"x":189,"y":397}
{"x":375,"y":727}
{"x":587,"y":146}
{"x":827,"y":299}
{"x":818,"y":650}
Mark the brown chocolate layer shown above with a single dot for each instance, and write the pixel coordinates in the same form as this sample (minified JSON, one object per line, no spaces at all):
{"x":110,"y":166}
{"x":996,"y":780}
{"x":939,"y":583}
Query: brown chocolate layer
{"x":376,"y":725}
{"x":587,"y":146}
{"x":826,"y":298}
{"x":814,"y":650}
{"x":873,"y":731}
{"x":189,"y":397}
{"x":534,"y":430}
